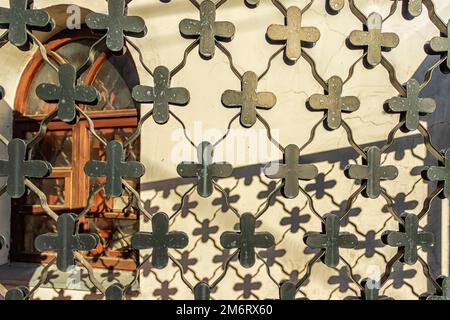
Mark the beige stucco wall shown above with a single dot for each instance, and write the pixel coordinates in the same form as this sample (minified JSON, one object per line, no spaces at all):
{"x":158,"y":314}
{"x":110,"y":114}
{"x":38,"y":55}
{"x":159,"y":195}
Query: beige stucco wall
{"x":290,"y":121}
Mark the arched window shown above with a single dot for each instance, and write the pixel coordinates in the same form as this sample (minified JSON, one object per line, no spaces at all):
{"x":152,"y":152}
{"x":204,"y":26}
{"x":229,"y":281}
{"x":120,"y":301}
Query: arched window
{"x":69,"y":146}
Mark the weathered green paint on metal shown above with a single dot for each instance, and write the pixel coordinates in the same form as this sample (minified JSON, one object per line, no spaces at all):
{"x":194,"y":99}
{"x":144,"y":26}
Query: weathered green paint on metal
{"x":205,"y":170}
{"x":334,"y":103}
{"x":207,"y":29}
{"x":415,"y":7}
{"x":331,"y":240}
{"x":247,"y":240}
{"x":161,"y":95}
{"x":160,"y":240}
{"x":293,"y":33}
{"x":18,"y":293}
{"x":442,"y":44}
{"x":116,"y":24}
{"x":248,"y":99}
{"x":412,"y":105}
{"x":66,"y":241}
{"x":202,"y":291}
{"x":291,"y":171}
{"x":19,"y":17}
{"x":114,"y":292}
{"x":67,"y":93}
{"x":114,"y":169}
{"x":372,"y":172}
{"x":445,"y":291}
{"x":409,"y":238}
{"x":442,"y":173}
{"x":374,"y":39}
{"x":17,"y":168}
{"x":372,"y":291}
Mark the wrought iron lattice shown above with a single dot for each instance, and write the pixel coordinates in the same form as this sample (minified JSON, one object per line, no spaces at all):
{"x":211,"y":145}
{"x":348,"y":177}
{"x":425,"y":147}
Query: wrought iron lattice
{"x":118,"y":31}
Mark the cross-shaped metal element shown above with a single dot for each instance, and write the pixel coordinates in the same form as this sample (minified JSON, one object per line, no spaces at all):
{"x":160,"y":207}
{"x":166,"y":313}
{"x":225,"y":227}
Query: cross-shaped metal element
{"x":442,"y":44}
{"x":334,"y":103}
{"x":246,"y":240}
{"x":445,"y":291}
{"x":18,"y":293}
{"x":202,"y":291}
{"x":374,"y":39}
{"x":412,"y":104}
{"x":205,"y":170}
{"x":114,"y":292}
{"x":293,"y":33}
{"x":442,"y":174}
{"x":372,"y":291}
{"x":415,"y":7}
{"x":248,"y":99}
{"x":207,"y":29}
{"x":336,"y":5}
{"x":17,"y":168}
{"x":409,"y":238}
{"x":116,"y":24}
{"x":115,"y":168}
{"x":331,"y":240}
{"x":372,"y":172}
{"x":66,"y":241}
{"x":161,"y":95}
{"x":19,"y":17}
{"x":67,"y":93}
{"x":160,"y":239}
{"x":291,"y":171}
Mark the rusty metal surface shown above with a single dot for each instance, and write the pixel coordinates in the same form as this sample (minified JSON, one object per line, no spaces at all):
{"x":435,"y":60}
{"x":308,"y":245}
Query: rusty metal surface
{"x":206,"y":33}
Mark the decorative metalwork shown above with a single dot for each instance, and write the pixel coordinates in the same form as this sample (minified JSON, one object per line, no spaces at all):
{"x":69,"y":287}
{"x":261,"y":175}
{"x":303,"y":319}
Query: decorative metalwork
{"x":116,"y":24}
{"x":337,"y":5}
{"x":291,"y":171}
{"x":205,"y":170}
{"x":442,"y":174}
{"x":114,"y":169}
{"x":372,"y":291}
{"x":66,"y":241}
{"x":202,"y":291}
{"x":293,"y":33}
{"x":114,"y":292}
{"x":415,"y":7}
{"x":160,"y":240}
{"x":17,"y":168}
{"x":374,"y":39}
{"x":19,"y":293}
{"x":442,"y":44}
{"x":331,"y":240}
{"x":161,"y":95}
{"x":372,"y":172}
{"x":246,"y":240}
{"x":207,"y":29}
{"x":248,"y":99}
{"x":445,"y":291}
{"x":20,"y":18}
{"x":334,"y":103}
{"x":68,"y":93}
{"x":412,"y":105}
{"x":409,"y":238}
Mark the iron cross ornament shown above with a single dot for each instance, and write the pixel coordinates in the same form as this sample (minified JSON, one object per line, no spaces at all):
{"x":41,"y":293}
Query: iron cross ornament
{"x":293,"y":33}
{"x":68,"y":94}
{"x":374,"y":39}
{"x":248,"y":99}
{"x":66,"y":241}
{"x":247,"y":240}
{"x":331,"y":240}
{"x":442,"y":44}
{"x":205,"y":170}
{"x":372,"y":172}
{"x":412,"y":105}
{"x":334,"y":103}
{"x":17,"y":168}
{"x":442,"y":174}
{"x":161,"y":95}
{"x":207,"y":29}
{"x":114,"y":168}
{"x":20,"y":18}
{"x":116,"y":23}
{"x":291,"y":171}
{"x":160,"y":240}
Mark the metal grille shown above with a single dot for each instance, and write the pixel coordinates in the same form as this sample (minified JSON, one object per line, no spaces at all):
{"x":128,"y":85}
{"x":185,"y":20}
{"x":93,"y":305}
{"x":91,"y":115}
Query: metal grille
{"x":242,"y":246}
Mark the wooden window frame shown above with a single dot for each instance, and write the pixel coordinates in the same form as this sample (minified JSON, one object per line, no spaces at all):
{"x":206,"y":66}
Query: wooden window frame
{"x":75,"y":196}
